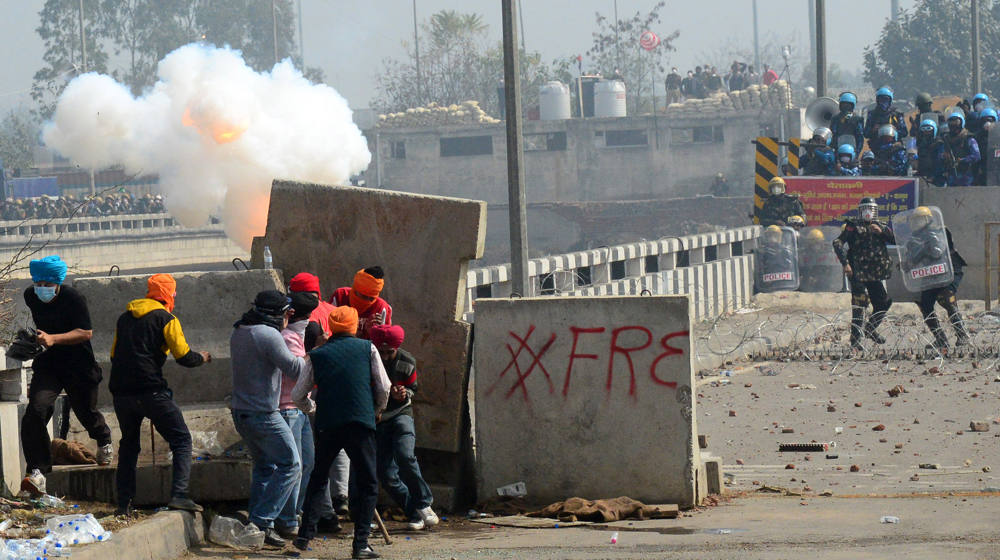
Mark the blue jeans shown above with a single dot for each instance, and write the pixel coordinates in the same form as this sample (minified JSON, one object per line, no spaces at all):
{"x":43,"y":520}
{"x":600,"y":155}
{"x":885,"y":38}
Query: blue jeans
{"x":277,"y":469}
{"x":298,"y":422}
{"x":398,"y":471}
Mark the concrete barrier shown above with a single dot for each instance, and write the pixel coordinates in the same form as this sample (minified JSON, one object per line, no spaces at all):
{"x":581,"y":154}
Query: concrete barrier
{"x":424,"y":243}
{"x":587,"y":397}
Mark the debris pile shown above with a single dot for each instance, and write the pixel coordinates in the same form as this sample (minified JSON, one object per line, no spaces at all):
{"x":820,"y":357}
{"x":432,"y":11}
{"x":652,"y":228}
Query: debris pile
{"x":434,"y":115}
{"x":777,"y":96}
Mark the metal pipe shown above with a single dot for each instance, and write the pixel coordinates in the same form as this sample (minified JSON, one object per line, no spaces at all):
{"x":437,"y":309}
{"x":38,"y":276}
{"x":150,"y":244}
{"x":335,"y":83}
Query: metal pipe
{"x":515,"y":153}
{"x":83,"y":50}
{"x":820,"y":48}
{"x":274,"y":30}
{"x":416,"y":52}
{"x":812,"y":30}
{"x":618,"y":43}
{"x":756,"y":38}
{"x":895,"y":10}
{"x":520,"y":16}
{"x":977,"y":85}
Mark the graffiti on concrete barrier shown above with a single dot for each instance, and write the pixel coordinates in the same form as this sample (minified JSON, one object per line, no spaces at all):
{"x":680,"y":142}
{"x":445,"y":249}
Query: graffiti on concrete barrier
{"x":628,"y":345}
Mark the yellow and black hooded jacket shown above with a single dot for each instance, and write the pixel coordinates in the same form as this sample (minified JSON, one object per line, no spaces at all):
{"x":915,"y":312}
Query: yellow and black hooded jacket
{"x":143,"y":336}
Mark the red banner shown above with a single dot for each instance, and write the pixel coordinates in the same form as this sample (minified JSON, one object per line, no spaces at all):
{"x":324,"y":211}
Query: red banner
{"x":828,"y":200}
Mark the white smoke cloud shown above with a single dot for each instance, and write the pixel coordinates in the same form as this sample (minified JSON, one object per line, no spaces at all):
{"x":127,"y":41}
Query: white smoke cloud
{"x":216,"y":132}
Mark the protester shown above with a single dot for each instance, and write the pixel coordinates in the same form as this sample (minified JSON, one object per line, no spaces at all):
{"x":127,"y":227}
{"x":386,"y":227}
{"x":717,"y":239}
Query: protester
{"x":62,"y":320}
{"x":770,"y":76}
{"x":673,"y":86}
{"x":308,"y":283}
{"x":145,"y":332}
{"x":303,"y":305}
{"x":713,"y":83}
{"x":398,"y":470}
{"x":687,"y":86}
{"x":363,"y":296}
{"x":752,"y":78}
{"x":259,"y":357}
{"x":353,"y":390}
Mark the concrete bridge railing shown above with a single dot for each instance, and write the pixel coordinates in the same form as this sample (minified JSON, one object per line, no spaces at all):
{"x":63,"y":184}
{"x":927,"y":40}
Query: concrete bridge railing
{"x":716,"y":269}
{"x":11,"y":230}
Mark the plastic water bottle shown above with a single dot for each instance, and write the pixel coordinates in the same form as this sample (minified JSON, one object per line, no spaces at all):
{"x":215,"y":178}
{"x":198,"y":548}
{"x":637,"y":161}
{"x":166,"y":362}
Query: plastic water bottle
{"x":268,"y":260}
{"x":889,"y":519}
{"x":614,"y":537}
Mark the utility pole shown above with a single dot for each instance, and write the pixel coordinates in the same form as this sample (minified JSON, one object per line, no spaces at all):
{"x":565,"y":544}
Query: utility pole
{"x":977,"y":85}
{"x":820,"y":48}
{"x":83,"y":51}
{"x":520,"y":15}
{"x":274,"y":30}
{"x":812,"y":29}
{"x":756,"y":39}
{"x":302,"y":56}
{"x":515,"y":153}
{"x":895,"y":11}
{"x":416,"y":52}
{"x":618,"y":43}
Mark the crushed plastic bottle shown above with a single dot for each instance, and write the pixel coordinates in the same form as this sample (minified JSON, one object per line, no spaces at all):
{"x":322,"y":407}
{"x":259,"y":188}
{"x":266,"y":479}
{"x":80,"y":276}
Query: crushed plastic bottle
{"x":50,"y":501}
{"x":889,"y":519}
{"x":76,"y":529}
{"x":232,"y":533}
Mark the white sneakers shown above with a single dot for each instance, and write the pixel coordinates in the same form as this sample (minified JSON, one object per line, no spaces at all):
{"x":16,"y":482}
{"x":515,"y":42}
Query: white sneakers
{"x":34,"y":483}
{"x":427,"y":519}
{"x":105,"y":455}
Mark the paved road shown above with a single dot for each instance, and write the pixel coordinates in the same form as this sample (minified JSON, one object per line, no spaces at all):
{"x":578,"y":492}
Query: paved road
{"x":952,"y":527}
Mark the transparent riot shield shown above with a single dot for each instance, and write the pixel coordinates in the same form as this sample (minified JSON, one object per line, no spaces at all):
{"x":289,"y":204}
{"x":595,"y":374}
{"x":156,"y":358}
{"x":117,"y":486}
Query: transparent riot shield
{"x":924,"y":256}
{"x":819,"y":269}
{"x":776,"y":267}
{"x":846,"y":139}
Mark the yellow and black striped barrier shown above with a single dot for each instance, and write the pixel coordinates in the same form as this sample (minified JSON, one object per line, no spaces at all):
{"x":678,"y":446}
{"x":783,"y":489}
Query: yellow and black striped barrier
{"x":766,"y":167}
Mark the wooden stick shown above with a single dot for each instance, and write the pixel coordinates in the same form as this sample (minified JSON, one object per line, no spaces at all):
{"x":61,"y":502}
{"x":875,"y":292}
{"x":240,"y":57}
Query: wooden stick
{"x":381,"y":526}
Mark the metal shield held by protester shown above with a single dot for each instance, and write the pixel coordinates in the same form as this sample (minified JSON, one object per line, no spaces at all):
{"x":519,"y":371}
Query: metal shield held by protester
{"x":924,"y":257}
{"x":776,"y":263}
{"x":819,"y":269}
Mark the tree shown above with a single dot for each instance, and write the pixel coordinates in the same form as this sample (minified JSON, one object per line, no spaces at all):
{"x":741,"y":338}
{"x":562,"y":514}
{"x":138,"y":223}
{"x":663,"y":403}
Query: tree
{"x":458,"y":62}
{"x":928,"y":50}
{"x":770,"y":43}
{"x":60,"y":32}
{"x":19,"y":134}
{"x":246,"y":25}
{"x":616,"y":45}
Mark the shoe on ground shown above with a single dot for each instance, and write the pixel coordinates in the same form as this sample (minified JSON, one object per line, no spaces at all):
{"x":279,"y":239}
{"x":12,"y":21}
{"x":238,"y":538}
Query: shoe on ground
{"x":301,"y":544}
{"x":365,"y":552}
{"x":272,"y":538}
{"x":329,"y":525}
{"x":105,"y":455}
{"x":416,"y":525}
{"x":876,"y":338}
{"x":124,"y":511}
{"x":340,"y":505}
{"x":288,"y":533}
{"x":429,"y":517}
{"x":184,"y":504}
{"x":34,"y":483}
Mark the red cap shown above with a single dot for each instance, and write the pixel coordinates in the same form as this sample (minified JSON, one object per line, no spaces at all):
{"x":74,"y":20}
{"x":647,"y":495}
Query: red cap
{"x":304,"y":282}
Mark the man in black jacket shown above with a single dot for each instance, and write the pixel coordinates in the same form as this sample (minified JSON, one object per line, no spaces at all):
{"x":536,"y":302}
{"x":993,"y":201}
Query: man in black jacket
{"x":143,"y":336}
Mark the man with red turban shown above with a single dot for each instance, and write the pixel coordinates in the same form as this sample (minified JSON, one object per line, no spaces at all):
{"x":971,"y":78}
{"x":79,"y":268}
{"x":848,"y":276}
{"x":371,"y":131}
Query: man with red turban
{"x":398,"y":470}
{"x":364,"y":297}
{"x":318,"y":329}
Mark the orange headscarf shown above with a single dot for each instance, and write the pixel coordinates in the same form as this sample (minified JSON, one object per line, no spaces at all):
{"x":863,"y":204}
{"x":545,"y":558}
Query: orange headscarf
{"x":162,"y":288}
{"x":343,"y":319}
{"x":368,"y":286}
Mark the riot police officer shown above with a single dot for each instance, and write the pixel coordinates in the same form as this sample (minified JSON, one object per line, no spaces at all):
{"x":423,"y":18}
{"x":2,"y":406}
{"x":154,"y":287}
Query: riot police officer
{"x":846,"y":164}
{"x":819,"y":158}
{"x":779,"y":207}
{"x":866,"y":263}
{"x":818,"y":267}
{"x":930,"y":149}
{"x":925,"y":246}
{"x":776,"y":266}
{"x":980,"y":103}
{"x":846,"y":123}
{"x":987,"y":122}
{"x":772,"y":254}
{"x":890,"y":154}
{"x":884,"y":113}
{"x":925,"y":106}
{"x":961,"y":152}
{"x":867,"y":163}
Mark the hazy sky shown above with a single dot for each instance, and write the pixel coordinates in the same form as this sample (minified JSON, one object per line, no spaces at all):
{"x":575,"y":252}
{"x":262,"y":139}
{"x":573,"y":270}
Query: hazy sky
{"x":349,"y":38}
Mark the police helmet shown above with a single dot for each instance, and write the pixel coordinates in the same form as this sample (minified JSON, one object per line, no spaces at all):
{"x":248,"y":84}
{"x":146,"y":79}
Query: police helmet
{"x":776,"y":186}
{"x":988,"y":113}
{"x":888,"y":130}
{"x":825,"y":133}
{"x":929,"y":125}
{"x":920,"y":217}
{"x":772,"y":234}
{"x":846,"y":150}
{"x":868,"y":206}
{"x":980,"y":98}
{"x":848,"y":97}
{"x":815,"y":235}
{"x":796,"y":221}
{"x":923,"y":98}
{"x":883,"y":91}
{"x":868,"y":154}
{"x":958,"y":114}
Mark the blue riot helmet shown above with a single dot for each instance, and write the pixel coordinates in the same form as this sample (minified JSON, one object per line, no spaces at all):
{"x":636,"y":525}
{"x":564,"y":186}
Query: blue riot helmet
{"x":848,"y":101}
{"x":868,"y":155}
{"x":928,"y":127}
{"x":988,"y":113}
{"x":845,"y":150}
{"x":888,"y":131}
{"x":883,"y":98}
{"x":980,"y":102}
{"x":883,"y":92}
{"x":960,"y":117}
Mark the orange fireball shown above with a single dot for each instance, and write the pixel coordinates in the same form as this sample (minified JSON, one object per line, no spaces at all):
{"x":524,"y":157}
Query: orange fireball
{"x":221,"y":131}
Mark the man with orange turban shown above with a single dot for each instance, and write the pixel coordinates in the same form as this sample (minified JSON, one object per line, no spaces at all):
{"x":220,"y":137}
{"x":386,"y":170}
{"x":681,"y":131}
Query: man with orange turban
{"x":145,"y":333}
{"x":364,"y":297}
{"x":352,"y":392}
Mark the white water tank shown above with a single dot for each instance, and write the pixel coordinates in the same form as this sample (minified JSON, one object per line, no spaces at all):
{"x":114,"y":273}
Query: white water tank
{"x":609,"y":99}
{"x":553,"y":101}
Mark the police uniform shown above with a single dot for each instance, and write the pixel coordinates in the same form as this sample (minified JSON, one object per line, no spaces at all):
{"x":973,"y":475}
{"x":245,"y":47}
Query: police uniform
{"x":877,"y":118}
{"x":848,"y":124}
{"x":929,"y":156}
{"x":818,"y":161}
{"x":780,"y":207}
{"x":868,"y":256}
{"x":775,"y":257}
{"x":890,"y":160}
{"x":924,"y":247}
{"x":964,"y":152}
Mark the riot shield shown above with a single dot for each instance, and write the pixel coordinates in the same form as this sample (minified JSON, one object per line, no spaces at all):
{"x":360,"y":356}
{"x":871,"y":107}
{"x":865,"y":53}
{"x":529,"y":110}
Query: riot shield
{"x":924,"y":256}
{"x":846,"y":139}
{"x":819,"y":269}
{"x":776,"y":267}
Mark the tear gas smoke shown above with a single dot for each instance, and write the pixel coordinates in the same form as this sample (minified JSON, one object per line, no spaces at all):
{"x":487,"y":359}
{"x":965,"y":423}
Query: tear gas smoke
{"x":216,"y":132}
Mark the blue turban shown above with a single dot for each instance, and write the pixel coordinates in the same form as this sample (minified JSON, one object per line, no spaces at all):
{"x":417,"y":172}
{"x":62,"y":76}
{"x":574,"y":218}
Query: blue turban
{"x":48,"y":269}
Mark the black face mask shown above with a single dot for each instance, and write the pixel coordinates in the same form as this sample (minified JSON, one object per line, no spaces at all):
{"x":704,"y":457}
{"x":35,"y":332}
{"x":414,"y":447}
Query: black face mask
{"x":955,"y":127}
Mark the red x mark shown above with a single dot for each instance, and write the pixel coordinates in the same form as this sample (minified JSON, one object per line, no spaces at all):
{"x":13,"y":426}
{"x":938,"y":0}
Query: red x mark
{"x":536,"y":360}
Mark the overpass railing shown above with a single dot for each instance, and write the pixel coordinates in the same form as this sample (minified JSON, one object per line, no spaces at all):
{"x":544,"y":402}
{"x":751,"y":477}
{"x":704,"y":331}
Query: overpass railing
{"x":10,"y":231}
{"x":716,"y":269}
